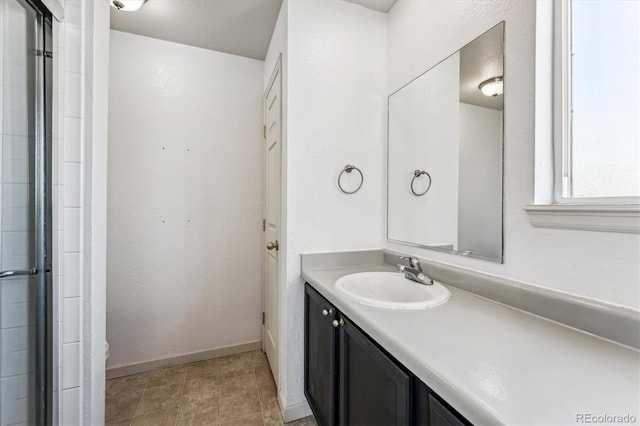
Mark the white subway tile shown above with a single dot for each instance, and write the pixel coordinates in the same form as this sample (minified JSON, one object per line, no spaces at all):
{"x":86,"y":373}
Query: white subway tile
{"x":70,"y":365}
{"x":72,"y":139}
{"x":73,"y":50}
{"x":71,"y":320}
{"x":16,"y":247}
{"x":15,"y":148}
{"x":15,"y":123}
{"x":72,"y":230}
{"x":14,"y":388}
{"x":15,"y":171}
{"x":71,"y":404}
{"x":71,"y":275}
{"x":73,"y":16}
{"x":15,"y":351}
{"x":14,"y":314}
{"x":15,"y":97}
{"x":15,"y":219}
{"x":73,"y":94}
{"x":72,"y":185}
{"x":15,"y":413}
{"x":15,"y":195}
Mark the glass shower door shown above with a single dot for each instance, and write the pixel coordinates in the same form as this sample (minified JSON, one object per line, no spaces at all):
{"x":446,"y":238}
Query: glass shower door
{"x":25,"y":206}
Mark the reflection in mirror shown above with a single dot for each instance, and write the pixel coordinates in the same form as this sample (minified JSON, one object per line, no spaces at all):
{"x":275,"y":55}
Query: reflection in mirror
{"x":445,"y":153}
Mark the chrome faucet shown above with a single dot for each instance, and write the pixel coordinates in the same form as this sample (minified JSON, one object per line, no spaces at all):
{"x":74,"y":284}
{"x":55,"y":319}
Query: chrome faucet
{"x":414,"y":272}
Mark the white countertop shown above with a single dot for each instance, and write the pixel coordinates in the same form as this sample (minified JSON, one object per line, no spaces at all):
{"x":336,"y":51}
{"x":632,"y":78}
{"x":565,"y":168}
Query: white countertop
{"x":496,"y":364}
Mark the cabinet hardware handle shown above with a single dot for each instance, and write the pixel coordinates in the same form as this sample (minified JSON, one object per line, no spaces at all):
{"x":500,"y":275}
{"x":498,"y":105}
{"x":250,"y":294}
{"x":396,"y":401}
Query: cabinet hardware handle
{"x":325,"y":312}
{"x":337,"y":323}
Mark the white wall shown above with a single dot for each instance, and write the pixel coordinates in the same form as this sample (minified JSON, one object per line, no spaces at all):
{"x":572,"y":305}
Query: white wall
{"x":596,"y":265}
{"x":480,"y":191}
{"x":184,"y":199}
{"x":336,"y":116}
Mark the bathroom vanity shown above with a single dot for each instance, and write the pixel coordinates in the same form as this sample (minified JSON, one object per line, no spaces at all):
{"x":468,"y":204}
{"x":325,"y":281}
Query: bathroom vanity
{"x":471,"y":360}
{"x":351,"y":380}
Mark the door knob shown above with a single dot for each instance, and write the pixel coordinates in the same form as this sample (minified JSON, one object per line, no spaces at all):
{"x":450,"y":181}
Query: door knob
{"x":272,"y":245}
{"x":327,"y":312}
{"x":337,"y":323}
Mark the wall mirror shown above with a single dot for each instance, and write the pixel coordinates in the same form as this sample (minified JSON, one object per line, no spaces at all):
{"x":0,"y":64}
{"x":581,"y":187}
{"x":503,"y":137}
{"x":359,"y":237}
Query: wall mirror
{"x":445,"y":145}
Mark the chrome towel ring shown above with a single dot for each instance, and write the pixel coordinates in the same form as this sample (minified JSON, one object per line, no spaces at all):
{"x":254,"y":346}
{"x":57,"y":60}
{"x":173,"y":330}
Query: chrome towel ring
{"x":349,"y":168}
{"x":416,"y":175}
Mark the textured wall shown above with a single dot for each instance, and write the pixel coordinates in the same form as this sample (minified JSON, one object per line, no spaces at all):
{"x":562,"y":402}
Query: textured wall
{"x":336,"y":116}
{"x":597,"y":265}
{"x":184,"y":199}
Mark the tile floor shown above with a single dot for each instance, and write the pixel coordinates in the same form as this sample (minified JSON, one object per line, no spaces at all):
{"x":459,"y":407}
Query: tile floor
{"x":234,"y":390}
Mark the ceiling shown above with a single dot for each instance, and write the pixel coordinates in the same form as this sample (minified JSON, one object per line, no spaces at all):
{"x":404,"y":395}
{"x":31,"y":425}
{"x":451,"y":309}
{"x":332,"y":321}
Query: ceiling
{"x":379,"y":5}
{"x":238,"y":27}
{"x":481,"y":60}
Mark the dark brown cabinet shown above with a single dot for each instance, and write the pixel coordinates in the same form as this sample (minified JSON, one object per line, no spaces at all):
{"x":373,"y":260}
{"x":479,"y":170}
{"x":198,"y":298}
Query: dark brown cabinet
{"x":350,"y":380}
{"x":374,"y":389}
{"x":320,"y":366}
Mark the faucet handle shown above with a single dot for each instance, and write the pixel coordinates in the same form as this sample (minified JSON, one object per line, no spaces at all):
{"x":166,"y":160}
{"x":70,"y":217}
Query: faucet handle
{"x":413,"y":262}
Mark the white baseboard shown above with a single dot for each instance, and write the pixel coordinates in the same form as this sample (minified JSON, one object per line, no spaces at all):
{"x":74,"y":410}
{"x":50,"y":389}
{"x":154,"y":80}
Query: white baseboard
{"x":141,"y":367}
{"x":296,"y":411}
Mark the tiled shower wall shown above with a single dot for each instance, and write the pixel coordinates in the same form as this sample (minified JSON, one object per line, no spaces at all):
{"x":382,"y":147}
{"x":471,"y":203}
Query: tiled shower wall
{"x":69,"y":209}
{"x":16,"y":323}
{"x":68,"y":124}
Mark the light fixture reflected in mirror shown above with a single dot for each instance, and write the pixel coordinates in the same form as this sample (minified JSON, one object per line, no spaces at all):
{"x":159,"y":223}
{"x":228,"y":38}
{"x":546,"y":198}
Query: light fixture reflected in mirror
{"x":127,"y":5}
{"x":492,"y":87}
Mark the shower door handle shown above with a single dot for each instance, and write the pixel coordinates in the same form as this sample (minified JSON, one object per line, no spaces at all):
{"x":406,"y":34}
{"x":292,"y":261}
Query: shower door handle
{"x":9,"y":274}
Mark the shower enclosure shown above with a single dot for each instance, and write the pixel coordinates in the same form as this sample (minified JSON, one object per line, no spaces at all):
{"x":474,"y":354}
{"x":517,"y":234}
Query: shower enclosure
{"x":26,"y":345}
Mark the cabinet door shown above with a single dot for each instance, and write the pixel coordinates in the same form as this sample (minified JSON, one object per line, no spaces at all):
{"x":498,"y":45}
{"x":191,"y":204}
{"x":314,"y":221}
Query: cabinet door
{"x":374,"y":390}
{"x":320,"y":355}
{"x":431,"y":410}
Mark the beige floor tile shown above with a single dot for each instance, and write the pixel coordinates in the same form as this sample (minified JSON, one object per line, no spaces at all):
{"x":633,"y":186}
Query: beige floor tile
{"x":167,"y":376}
{"x":306,"y":421}
{"x":231,"y":363}
{"x":203,"y":388}
{"x":272,"y":417}
{"x":128,"y":384}
{"x":121,"y":406}
{"x":157,"y":418}
{"x":239,"y":405}
{"x":254,"y":420}
{"x":267,"y":394}
{"x":123,"y":422}
{"x":263,"y":374}
{"x":206,"y":368}
{"x":238,"y":381}
{"x":201,"y":412}
{"x":234,"y":390}
{"x":108,"y":384}
{"x":160,"y":398}
{"x":259,"y":358}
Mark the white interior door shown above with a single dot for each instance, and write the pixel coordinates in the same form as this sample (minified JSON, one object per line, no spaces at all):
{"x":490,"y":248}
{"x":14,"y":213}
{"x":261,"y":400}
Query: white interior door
{"x":273,"y":147}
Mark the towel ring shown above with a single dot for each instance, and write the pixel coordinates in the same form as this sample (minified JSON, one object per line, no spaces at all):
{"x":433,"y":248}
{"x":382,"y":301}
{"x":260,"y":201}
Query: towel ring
{"x":349,"y":168}
{"x":416,"y":175}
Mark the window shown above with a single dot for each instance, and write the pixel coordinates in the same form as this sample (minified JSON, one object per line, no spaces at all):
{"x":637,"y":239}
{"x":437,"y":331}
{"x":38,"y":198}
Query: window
{"x":587,"y":115}
{"x":597,"y":81}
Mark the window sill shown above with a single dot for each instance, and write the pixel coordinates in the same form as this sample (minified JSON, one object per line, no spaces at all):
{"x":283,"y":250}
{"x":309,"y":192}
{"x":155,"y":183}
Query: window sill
{"x":623,"y":218}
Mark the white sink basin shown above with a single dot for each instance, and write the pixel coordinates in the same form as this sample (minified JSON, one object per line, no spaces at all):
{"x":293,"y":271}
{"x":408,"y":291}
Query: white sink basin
{"x":391,"y":290}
